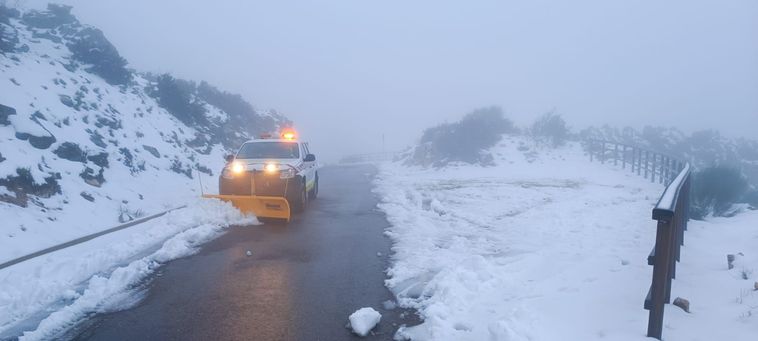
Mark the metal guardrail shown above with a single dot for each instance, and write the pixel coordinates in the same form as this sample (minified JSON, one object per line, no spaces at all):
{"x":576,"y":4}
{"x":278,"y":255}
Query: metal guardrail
{"x":85,"y":238}
{"x":671,"y":212}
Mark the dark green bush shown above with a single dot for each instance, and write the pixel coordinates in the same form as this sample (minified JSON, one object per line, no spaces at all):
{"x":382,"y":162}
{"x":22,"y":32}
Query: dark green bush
{"x":177,"y":97}
{"x":463,"y":140}
{"x":715,"y":190}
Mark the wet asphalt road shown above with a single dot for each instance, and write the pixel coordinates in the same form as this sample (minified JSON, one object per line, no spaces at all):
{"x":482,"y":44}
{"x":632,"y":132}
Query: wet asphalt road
{"x":301,"y":282}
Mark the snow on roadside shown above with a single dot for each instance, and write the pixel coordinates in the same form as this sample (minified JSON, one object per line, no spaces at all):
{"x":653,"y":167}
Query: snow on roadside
{"x":65,"y":286}
{"x":543,"y":246}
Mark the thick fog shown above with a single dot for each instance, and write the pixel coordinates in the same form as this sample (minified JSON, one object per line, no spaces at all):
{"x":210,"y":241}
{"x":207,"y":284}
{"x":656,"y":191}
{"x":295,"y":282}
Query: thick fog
{"x":348,"y":72}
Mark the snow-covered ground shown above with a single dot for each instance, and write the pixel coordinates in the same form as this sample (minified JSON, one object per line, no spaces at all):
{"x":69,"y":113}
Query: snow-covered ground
{"x":107,"y":273}
{"x":548,"y":246}
{"x":112,"y":151}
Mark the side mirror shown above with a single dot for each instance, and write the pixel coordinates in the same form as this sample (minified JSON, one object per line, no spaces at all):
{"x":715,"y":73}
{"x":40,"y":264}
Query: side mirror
{"x":229,"y":158}
{"x":310,"y":158}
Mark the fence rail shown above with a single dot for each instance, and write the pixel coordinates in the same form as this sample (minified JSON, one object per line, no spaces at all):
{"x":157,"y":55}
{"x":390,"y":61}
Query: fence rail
{"x":671,"y":213}
{"x":658,"y":167}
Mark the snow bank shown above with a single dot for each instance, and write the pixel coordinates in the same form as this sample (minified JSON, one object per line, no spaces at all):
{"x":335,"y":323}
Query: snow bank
{"x":545,"y":246}
{"x":104,"y":273}
{"x":363,"y":320}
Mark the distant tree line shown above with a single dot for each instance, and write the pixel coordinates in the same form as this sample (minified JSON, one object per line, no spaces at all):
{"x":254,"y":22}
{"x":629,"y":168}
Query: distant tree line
{"x":189,"y":103}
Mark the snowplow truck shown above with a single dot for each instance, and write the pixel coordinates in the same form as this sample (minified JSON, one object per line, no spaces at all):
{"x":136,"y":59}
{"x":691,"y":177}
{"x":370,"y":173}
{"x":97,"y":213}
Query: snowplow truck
{"x":270,"y":178}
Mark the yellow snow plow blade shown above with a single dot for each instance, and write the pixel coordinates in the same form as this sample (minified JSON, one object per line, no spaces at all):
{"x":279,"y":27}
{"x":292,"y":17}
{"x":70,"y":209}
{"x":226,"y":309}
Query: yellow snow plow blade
{"x":260,"y":206}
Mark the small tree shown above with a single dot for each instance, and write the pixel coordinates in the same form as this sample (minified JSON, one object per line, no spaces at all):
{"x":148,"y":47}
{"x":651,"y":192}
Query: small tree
{"x":551,"y":129}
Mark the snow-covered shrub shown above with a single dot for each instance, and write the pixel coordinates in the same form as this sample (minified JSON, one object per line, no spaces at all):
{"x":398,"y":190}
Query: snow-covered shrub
{"x":550,"y":129}
{"x":715,"y":190}
{"x":464,"y":141}
{"x":125,"y":214}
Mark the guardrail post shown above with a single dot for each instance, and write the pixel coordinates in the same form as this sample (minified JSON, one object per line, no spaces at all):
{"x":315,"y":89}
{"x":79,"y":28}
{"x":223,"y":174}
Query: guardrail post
{"x":660,"y":278}
{"x":652,"y":169}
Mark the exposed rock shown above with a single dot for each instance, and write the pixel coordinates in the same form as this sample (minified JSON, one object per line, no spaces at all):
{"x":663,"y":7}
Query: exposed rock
{"x":87,"y":196}
{"x":100,"y":159}
{"x":39,"y":142}
{"x":107,"y":122}
{"x":37,"y":116}
{"x":129,"y":161}
{"x":96,"y":138}
{"x":152,"y":150}
{"x":2,"y":158}
{"x":178,"y":167}
{"x":682,"y":303}
{"x":755,"y":286}
{"x":6,"y":111}
{"x":67,"y":100}
{"x":88,"y":174}
{"x":70,"y":151}
{"x":23,"y":186}
{"x":730,"y":261}
{"x":203,"y":169}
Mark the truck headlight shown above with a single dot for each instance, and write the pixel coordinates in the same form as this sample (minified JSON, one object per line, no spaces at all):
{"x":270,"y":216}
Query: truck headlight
{"x":271,"y":168}
{"x":237,"y":168}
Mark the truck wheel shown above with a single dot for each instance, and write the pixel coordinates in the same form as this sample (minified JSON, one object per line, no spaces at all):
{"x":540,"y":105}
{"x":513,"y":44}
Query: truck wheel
{"x":314,"y":192}
{"x":300,"y":200}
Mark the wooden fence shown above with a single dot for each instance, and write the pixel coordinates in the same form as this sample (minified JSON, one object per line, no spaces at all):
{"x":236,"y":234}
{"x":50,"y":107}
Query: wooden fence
{"x":671,"y":213}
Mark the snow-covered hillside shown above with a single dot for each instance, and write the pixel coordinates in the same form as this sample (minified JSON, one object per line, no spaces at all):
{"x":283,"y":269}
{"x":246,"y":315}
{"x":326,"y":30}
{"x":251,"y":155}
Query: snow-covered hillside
{"x":86,"y":143}
{"x":548,"y":246}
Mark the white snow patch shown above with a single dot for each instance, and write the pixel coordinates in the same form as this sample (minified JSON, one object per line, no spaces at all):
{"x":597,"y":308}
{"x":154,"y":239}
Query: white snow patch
{"x":548,"y":246}
{"x":363,"y":320}
{"x":98,"y":275}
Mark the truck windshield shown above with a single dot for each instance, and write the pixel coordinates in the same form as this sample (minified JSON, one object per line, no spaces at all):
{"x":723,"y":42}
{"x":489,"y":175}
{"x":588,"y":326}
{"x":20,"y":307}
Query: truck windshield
{"x":269,"y":150}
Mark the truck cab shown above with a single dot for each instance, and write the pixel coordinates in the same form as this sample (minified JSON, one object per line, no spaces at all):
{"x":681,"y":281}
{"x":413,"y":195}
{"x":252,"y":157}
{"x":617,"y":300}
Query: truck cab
{"x":283,"y":167}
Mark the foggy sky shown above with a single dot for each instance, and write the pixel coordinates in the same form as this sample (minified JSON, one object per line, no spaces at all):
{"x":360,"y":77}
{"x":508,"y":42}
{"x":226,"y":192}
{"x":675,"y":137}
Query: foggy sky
{"x":349,"y":71}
